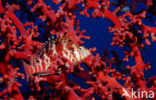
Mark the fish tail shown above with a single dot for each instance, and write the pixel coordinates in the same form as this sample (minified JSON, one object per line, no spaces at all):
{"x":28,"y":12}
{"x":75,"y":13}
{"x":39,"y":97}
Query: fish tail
{"x":27,"y":70}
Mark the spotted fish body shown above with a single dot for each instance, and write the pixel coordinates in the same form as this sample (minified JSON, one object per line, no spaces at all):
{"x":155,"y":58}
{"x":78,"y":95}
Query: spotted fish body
{"x":54,"y":47}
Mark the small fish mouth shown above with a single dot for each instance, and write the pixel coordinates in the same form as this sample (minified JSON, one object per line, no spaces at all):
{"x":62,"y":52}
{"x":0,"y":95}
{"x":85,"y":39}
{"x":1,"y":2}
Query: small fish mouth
{"x":88,"y":53}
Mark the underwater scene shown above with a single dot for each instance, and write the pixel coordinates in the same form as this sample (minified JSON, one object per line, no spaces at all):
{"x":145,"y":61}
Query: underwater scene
{"x":77,"y":49}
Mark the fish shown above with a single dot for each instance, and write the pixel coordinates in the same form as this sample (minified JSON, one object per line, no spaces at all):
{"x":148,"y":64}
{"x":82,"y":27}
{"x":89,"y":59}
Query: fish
{"x":42,"y":61}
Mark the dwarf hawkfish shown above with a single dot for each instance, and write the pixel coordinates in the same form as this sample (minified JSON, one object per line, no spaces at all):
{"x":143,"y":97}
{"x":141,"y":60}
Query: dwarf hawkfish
{"x":54,"y":47}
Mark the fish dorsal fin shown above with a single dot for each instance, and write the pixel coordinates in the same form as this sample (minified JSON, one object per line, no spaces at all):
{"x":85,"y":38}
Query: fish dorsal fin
{"x":47,"y":45}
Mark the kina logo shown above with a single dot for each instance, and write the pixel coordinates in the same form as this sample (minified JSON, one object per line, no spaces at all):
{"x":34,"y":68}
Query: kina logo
{"x":139,"y":93}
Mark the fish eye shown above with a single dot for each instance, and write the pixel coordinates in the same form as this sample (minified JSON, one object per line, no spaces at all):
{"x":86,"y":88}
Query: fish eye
{"x":80,"y":48}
